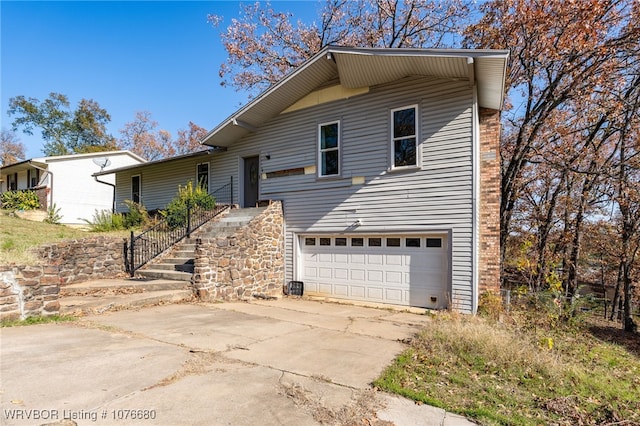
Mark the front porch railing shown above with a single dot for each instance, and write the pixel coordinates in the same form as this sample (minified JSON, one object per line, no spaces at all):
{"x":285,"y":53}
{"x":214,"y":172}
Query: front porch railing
{"x":142,"y":248}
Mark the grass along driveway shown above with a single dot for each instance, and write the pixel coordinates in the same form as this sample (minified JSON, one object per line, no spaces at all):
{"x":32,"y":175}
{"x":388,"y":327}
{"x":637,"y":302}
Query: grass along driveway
{"x":17,"y":236}
{"x":505,"y":373}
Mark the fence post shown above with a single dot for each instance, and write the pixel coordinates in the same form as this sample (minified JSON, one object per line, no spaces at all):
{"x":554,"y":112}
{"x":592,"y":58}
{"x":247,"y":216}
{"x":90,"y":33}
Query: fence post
{"x":132,"y":268}
{"x":188,"y":219}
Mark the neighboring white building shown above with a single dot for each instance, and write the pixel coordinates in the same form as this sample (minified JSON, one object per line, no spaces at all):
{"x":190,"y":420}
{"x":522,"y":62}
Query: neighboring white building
{"x":67,"y":181}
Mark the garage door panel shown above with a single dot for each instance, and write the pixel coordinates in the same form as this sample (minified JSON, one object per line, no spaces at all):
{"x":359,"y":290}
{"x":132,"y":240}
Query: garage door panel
{"x":325,"y":272}
{"x":375,"y":276}
{"x":341,"y":258}
{"x":406,"y":274}
{"x":341,"y":273}
{"x":357,"y":274}
{"x":358,"y":292}
{"x":375,"y":293}
{"x":393,"y":259}
{"x":394,"y":295}
{"x":394,"y":277}
{"x":341,"y":290}
{"x":325,"y":288}
{"x":311,"y":287}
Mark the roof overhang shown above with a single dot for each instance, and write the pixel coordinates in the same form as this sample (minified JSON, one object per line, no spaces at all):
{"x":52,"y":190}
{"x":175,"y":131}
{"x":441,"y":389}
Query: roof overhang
{"x":162,"y":161}
{"x":356,"y":68}
{"x":22,"y":166}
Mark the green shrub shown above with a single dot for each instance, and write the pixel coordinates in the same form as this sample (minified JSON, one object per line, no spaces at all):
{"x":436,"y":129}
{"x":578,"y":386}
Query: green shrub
{"x":137,"y":216}
{"x":176,"y":211}
{"x":104,"y":221}
{"x":19,"y":200}
{"x":491,"y":305}
{"x":53,"y":215}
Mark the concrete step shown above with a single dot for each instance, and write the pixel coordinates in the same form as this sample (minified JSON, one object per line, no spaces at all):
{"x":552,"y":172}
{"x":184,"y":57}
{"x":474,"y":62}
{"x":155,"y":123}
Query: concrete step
{"x":104,"y":303}
{"x":120,"y":286}
{"x":163,"y":274}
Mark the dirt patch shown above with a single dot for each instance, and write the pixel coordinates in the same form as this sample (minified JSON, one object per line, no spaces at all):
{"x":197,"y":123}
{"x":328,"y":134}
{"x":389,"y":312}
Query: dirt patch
{"x":360,"y":410}
{"x":199,"y":362}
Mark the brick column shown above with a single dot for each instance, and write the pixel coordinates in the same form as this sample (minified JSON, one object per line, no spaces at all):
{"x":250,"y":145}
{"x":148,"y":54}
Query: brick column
{"x":489,"y":268}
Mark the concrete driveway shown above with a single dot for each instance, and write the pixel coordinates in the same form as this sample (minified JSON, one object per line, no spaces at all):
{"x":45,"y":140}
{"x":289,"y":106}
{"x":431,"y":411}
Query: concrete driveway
{"x":283,"y":362}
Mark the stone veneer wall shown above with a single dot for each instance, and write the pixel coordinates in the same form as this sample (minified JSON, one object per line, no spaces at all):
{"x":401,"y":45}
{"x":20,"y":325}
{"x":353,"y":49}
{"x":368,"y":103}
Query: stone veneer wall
{"x":247,"y":263}
{"x":33,"y":290}
{"x":28,"y":291}
{"x":490,"y":181}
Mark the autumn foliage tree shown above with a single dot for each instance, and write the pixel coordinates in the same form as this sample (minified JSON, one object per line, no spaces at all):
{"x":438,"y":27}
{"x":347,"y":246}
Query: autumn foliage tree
{"x":264,"y":44}
{"x":572,"y":75}
{"x":189,"y":139}
{"x":143,"y":137}
{"x":11,"y":149}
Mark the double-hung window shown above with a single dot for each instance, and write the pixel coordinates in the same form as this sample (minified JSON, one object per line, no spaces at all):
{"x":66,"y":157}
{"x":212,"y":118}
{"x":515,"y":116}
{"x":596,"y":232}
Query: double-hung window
{"x":135,"y":188}
{"x":404,"y":137}
{"x":329,"y":149}
{"x":202,"y":174}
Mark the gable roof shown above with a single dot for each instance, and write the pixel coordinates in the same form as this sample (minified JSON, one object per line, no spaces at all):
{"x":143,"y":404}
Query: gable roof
{"x":363,"y":67}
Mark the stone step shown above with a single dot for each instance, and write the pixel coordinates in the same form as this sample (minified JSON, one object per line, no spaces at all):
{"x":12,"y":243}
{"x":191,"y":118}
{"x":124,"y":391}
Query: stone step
{"x":163,"y":275}
{"x":121,"y":286}
{"x":181,"y":254}
{"x":170,"y":265}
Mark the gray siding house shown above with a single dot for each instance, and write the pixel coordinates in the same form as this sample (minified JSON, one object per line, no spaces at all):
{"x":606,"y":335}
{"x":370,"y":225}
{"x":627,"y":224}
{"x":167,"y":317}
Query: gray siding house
{"x":387,"y":165}
{"x":155,"y":183}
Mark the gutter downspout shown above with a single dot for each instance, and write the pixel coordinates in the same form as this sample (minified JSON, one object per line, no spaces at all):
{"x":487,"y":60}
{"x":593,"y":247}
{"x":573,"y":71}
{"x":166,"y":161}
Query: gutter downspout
{"x":46,"y":172}
{"x":475,"y":238}
{"x":113,"y":197}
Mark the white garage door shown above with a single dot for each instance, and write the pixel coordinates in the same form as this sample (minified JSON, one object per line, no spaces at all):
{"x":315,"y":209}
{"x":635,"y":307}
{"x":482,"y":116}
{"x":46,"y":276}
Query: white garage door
{"x":410,"y":270}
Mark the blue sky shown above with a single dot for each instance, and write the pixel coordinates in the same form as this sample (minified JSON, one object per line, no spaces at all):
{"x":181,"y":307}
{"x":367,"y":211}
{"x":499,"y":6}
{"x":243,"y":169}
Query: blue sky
{"x":157,"y":56}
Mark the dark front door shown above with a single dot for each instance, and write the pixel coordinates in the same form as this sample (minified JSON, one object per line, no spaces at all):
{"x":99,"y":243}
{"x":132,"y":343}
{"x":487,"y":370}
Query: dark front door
{"x":251,"y":178}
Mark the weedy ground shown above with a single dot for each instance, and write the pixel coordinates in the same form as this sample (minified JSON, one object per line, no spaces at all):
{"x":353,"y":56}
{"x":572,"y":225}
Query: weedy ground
{"x":521,"y":370}
{"x":18,"y":236}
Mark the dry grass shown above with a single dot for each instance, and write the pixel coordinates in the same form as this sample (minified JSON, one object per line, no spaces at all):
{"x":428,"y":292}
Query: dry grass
{"x":360,"y":410}
{"x":497,"y":373}
{"x":197,"y":363}
{"x":18,"y":236}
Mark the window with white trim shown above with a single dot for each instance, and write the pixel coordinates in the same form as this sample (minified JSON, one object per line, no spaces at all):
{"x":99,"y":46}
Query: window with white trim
{"x":329,"y":149}
{"x":404,"y":137}
{"x":135,"y":189}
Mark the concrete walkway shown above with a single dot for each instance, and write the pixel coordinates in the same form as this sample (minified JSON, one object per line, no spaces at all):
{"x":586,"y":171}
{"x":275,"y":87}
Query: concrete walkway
{"x":282,"y":362}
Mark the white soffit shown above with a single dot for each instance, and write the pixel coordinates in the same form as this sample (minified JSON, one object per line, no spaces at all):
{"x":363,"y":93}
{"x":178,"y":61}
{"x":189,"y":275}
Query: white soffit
{"x":359,"y":68}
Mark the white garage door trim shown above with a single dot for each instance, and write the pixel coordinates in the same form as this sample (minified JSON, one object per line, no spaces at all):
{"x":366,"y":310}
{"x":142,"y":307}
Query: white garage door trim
{"x":399,"y":269}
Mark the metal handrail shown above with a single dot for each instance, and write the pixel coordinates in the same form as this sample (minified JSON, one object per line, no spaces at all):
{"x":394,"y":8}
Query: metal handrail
{"x":140,"y":249}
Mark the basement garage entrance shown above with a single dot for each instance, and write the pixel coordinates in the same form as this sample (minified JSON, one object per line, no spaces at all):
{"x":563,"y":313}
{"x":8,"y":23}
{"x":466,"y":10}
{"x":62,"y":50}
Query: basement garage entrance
{"x":409,"y":270}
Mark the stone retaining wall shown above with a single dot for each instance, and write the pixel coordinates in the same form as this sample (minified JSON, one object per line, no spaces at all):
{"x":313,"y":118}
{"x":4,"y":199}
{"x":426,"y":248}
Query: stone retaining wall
{"x":33,"y":290}
{"x":28,"y":291}
{"x":247,"y":263}
{"x":87,"y":259}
